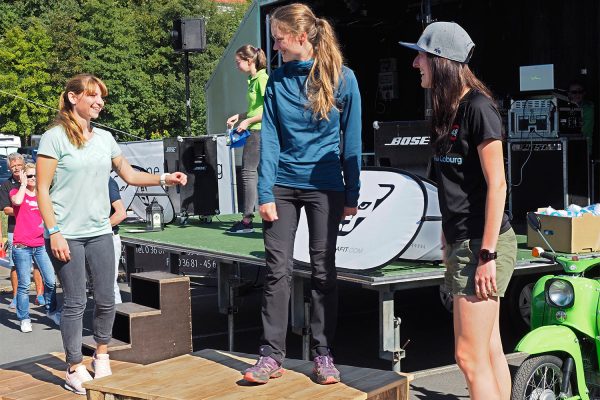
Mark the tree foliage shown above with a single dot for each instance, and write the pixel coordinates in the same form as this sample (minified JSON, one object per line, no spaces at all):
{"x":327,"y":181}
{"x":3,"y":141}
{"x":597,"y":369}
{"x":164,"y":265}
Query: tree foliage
{"x":124,"y":42}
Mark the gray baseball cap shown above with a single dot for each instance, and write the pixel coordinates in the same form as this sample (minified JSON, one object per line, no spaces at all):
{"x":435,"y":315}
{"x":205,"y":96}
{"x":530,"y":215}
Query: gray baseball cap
{"x":445,"y":39}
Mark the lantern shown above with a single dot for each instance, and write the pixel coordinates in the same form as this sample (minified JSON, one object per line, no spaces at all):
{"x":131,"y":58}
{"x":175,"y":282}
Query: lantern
{"x":154,"y":216}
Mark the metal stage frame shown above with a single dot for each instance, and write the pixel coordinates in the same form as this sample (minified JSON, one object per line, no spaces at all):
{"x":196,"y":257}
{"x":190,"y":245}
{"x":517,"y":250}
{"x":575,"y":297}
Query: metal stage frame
{"x":403,"y":275}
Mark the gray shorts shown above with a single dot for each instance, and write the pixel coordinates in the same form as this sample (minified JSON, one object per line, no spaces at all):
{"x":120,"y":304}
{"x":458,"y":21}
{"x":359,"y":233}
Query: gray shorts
{"x":463,"y":258}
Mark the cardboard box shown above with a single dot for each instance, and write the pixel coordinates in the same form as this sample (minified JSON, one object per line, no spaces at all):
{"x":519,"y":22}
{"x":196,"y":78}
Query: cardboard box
{"x":567,"y":234}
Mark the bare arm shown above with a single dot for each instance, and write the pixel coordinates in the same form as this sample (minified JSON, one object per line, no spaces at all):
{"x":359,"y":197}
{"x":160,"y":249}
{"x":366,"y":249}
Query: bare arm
{"x":231,"y":121}
{"x":492,"y":164}
{"x":45,"y":169}
{"x":119,"y":214}
{"x":17,"y":198}
{"x":249,"y":121}
{"x":139,"y":178}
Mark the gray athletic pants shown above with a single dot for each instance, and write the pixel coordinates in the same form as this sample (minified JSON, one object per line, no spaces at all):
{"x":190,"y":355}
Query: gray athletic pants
{"x":100,"y":255}
{"x":250,"y":161}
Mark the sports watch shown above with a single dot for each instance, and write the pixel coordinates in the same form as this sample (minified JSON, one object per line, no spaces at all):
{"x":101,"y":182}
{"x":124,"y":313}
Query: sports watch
{"x":486,"y":255}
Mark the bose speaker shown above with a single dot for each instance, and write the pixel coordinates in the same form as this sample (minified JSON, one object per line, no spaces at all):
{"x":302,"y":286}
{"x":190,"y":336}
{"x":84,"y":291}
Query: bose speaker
{"x":403,"y":145}
{"x":189,"y":34}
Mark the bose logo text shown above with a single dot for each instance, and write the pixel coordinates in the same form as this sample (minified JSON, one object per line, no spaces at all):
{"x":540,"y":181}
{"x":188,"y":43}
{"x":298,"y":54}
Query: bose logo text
{"x":409,"y":141}
{"x":171,"y":149}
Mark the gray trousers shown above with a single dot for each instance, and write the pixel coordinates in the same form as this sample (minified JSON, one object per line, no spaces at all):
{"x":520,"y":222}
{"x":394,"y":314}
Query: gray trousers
{"x":250,"y":160}
{"x":323,"y":211}
{"x":100,"y":255}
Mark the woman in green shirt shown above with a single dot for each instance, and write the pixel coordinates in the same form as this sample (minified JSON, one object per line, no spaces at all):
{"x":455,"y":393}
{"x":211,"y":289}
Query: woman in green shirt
{"x":252,"y":61}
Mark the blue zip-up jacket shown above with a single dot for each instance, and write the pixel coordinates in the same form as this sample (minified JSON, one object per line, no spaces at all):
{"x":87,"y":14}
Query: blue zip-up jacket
{"x":299,"y":151}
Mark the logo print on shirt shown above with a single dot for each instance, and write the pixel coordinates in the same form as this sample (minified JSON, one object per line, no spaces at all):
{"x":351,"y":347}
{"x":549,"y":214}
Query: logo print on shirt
{"x":32,"y":203}
{"x":454,"y":132}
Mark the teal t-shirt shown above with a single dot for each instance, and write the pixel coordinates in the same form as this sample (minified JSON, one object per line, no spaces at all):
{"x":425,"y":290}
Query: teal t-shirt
{"x":79,"y":190}
{"x":256,"y":96}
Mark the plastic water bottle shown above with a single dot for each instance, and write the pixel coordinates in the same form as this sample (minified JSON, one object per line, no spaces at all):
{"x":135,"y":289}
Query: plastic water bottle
{"x":574,"y":210}
{"x":593,"y":209}
{"x":547,"y":211}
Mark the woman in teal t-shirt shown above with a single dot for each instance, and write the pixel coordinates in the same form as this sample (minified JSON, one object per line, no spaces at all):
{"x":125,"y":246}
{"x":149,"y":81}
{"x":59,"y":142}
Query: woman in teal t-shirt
{"x":252,"y":61}
{"x":73,"y":167}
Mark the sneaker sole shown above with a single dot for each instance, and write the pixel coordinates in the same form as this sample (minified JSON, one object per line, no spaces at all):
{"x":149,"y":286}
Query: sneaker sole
{"x":248,"y":377}
{"x":242,"y":231}
{"x":73,"y":390}
{"x":326,"y":381}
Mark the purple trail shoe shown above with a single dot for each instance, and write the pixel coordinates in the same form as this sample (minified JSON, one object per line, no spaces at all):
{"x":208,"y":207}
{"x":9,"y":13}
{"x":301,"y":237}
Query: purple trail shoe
{"x":325,"y":371}
{"x":264,"y":369}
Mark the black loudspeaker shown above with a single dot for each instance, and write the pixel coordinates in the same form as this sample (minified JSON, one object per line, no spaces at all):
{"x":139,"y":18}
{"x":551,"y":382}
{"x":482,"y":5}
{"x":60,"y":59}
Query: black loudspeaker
{"x":404,"y":145}
{"x":189,"y":34}
{"x":197,"y":158}
{"x":549,"y":172}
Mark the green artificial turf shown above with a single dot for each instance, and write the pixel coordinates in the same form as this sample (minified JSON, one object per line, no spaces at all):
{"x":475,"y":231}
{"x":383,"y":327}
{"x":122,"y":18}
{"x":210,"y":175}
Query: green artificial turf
{"x":206,"y":236}
{"x":212,"y":237}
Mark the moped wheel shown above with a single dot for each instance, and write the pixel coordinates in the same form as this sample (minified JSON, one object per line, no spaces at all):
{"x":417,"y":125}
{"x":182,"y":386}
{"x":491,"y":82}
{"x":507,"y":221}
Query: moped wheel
{"x":518,"y":301}
{"x":539,"y":378}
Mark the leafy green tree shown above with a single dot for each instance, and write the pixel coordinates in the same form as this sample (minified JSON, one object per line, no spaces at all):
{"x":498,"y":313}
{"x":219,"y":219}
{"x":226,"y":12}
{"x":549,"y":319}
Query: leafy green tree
{"x":24,"y":73}
{"x":124,"y":42}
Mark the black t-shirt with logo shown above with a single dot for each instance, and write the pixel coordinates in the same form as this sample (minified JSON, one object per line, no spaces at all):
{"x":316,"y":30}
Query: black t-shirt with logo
{"x":462,"y":188}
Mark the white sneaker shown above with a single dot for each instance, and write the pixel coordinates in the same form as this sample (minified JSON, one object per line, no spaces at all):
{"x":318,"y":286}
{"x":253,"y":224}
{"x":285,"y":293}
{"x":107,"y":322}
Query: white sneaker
{"x":101,"y":366}
{"x":74,"y":380}
{"x":54,"y":316}
{"x":26,"y":326}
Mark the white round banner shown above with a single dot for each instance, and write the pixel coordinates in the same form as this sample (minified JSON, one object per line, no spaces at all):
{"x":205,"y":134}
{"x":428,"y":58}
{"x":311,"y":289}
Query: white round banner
{"x":398,"y":217}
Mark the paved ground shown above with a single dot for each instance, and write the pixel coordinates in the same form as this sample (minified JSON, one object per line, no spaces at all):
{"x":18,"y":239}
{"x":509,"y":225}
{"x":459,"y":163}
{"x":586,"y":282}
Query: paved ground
{"x":425,"y":325}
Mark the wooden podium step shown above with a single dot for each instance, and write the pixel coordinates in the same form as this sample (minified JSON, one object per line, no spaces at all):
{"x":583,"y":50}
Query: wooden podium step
{"x":42,"y":378}
{"x":212,"y":374}
{"x":156,"y":324}
{"x":132,"y":310}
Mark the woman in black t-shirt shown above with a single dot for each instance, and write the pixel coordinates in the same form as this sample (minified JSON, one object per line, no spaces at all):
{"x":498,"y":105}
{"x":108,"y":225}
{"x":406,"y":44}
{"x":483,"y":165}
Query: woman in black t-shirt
{"x":480,"y":245}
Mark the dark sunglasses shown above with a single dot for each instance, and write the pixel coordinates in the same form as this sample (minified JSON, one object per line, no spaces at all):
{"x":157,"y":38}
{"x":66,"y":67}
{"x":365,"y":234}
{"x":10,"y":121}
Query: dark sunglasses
{"x":575,"y":91}
{"x":30,"y":176}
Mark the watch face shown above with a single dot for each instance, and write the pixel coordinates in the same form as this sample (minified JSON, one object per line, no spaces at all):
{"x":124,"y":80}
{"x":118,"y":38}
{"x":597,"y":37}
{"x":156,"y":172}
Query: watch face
{"x":485,"y":255}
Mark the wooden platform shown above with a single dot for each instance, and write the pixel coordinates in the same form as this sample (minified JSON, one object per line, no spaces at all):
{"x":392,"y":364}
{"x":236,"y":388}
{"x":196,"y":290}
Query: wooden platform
{"x":42,"y":378}
{"x":212,"y":374}
{"x":207,"y":374}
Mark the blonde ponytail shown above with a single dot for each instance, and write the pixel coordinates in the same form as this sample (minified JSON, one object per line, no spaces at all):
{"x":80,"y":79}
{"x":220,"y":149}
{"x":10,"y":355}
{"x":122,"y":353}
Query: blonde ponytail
{"x":324,"y":77}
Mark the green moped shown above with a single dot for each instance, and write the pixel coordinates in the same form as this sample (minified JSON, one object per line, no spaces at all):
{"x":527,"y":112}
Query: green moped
{"x":563,"y":345}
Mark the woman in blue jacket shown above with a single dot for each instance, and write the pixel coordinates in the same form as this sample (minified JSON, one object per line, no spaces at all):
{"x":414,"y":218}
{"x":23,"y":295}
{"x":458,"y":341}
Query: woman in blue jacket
{"x":310,"y":157}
